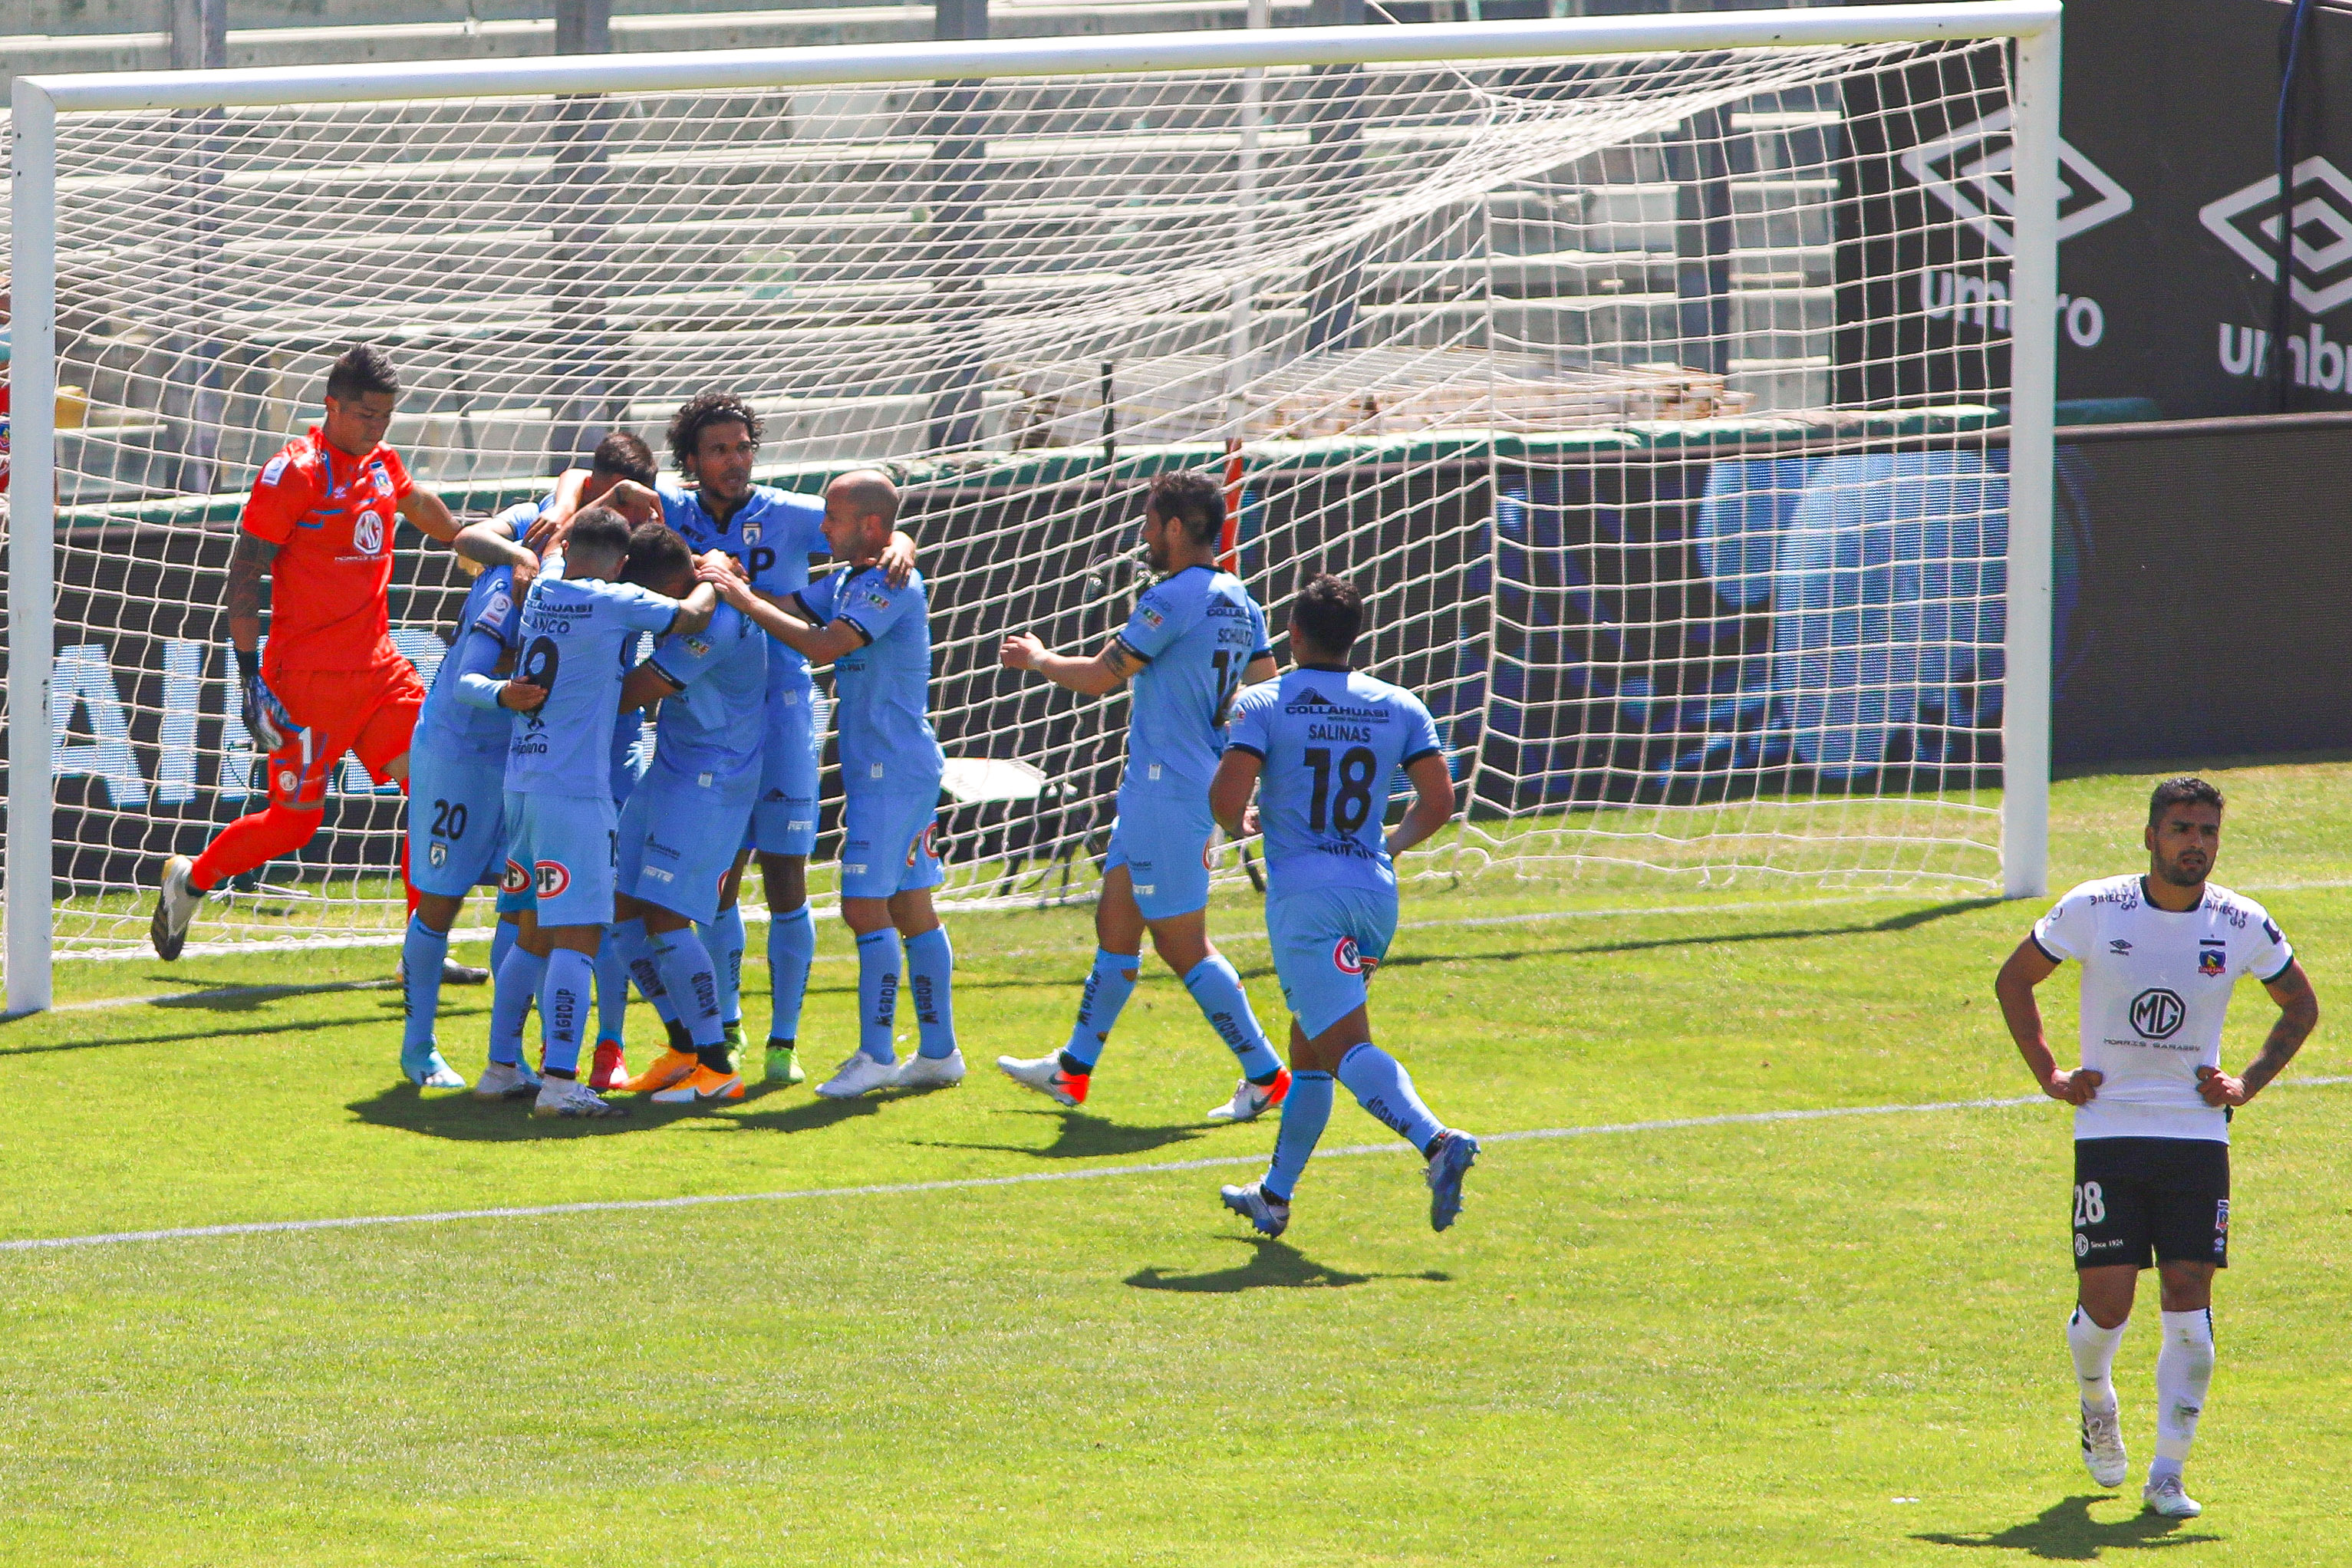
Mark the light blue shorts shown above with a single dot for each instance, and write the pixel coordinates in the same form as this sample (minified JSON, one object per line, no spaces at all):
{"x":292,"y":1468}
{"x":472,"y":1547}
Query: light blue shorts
{"x":571,"y":843}
{"x":886,"y":844}
{"x":783,"y":819}
{"x":1163,"y":842}
{"x":456,"y":822}
{"x":1326,"y":942}
{"x":678,"y":837}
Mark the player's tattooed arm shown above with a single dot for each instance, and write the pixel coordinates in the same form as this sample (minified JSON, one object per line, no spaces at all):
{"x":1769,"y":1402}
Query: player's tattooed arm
{"x":429,"y":515}
{"x":2027,"y":967}
{"x":638,"y":503}
{"x":2298,"y":1015}
{"x":1433,"y":804}
{"x":1096,"y":677}
{"x":247,"y":564}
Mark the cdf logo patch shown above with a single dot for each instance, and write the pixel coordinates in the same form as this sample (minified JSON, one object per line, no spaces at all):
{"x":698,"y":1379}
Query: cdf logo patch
{"x":554,"y":878}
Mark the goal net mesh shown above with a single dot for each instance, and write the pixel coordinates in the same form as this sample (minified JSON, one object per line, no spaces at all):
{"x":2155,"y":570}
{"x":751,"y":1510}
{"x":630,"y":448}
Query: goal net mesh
{"x":1559,"y":359}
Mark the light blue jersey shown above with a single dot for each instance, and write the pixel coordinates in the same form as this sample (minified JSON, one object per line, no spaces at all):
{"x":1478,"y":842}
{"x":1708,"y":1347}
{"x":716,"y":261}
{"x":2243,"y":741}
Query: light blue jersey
{"x":1331,"y":741}
{"x":884,"y":687}
{"x":712,"y":725}
{"x":772,"y":534}
{"x":576,"y":635}
{"x":1194,"y":633}
{"x":449,"y":726}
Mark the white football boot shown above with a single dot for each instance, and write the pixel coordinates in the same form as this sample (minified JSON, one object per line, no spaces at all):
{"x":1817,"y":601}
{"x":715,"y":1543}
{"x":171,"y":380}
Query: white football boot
{"x":506,"y":1080}
{"x":2103,"y":1447}
{"x":861,"y":1074}
{"x":1250,"y":1101}
{"x":570,"y":1098}
{"x":175,"y":907}
{"x":1044,"y":1075}
{"x":929,"y":1072}
{"x":1268,"y":1217}
{"x":2165,"y":1497}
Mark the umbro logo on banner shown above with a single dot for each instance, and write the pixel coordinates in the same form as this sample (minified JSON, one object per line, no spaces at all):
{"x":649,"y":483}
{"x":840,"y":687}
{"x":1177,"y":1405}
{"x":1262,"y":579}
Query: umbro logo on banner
{"x":1968,"y":170}
{"x":2322,"y":272}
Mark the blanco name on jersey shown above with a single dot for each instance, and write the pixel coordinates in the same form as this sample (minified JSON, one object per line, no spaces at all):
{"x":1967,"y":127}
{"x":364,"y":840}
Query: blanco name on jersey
{"x":2156,"y":989}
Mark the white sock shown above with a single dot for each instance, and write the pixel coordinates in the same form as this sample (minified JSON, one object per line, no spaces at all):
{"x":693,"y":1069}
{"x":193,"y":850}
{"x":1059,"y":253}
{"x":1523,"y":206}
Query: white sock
{"x":2094,"y":1357}
{"x":2184,"y":1371}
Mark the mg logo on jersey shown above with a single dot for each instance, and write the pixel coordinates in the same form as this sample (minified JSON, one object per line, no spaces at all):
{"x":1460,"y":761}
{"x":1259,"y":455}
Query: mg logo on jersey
{"x":2157,"y":1013}
{"x":1968,"y":170}
{"x":2323,"y":207}
{"x":367,"y":534}
{"x":553,"y":879}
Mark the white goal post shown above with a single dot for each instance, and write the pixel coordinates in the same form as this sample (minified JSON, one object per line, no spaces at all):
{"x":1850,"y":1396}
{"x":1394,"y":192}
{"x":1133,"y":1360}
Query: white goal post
{"x":1404,"y":286}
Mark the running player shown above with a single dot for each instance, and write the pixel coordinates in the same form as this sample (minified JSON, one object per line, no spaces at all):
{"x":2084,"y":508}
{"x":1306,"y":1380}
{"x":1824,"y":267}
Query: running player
{"x":714,"y":440}
{"x":878,"y":638}
{"x":682,"y":823}
{"x":1320,"y":745}
{"x":1195,"y":640}
{"x":2161,"y":954}
{"x":561,"y":820}
{"x":319,"y":525}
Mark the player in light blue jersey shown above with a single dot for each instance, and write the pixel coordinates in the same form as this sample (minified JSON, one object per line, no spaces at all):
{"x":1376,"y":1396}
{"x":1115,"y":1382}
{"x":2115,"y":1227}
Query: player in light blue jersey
{"x":714,"y":440}
{"x":1319,"y":746}
{"x":878,"y":638}
{"x":683,"y":821}
{"x":1195,"y":640}
{"x":559,"y":814}
{"x":519,"y":537}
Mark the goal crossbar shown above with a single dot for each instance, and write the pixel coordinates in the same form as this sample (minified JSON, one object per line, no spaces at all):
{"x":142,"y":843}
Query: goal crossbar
{"x":38,"y":101}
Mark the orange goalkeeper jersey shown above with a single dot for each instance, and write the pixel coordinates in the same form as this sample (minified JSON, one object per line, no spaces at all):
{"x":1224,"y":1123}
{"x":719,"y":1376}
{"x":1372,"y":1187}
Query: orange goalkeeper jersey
{"x":331,"y":517}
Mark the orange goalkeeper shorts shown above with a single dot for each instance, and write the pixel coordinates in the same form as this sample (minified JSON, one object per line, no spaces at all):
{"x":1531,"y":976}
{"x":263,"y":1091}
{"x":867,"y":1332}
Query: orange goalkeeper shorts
{"x":370,"y":711}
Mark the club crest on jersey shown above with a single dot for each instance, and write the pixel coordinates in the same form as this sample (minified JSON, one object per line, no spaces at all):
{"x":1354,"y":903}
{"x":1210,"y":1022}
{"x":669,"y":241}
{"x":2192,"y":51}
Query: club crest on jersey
{"x":553,"y":877}
{"x":286,"y":780}
{"x":438,"y":854}
{"x":751,"y":533}
{"x":383,"y":481}
{"x":1347,"y":957}
{"x":367,"y":533}
{"x":2212,"y":959}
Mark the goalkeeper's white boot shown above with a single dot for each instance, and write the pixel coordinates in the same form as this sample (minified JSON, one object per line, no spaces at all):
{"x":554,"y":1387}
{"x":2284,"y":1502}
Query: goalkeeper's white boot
{"x":175,"y":907}
{"x":2102,"y":1446}
{"x":861,"y":1074}
{"x":571,"y":1099}
{"x":929,"y":1072}
{"x":2165,"y":1497}
{"x":1267,"y":1217}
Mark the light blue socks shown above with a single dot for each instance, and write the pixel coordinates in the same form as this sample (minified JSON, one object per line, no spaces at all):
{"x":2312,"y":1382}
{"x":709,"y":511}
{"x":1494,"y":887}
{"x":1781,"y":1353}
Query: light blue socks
{"x":792,"y":948}
{"x":563,"y":1007}
{"x":877,"y":994}
{"x":1383,"y":1087}
{"x":930,"y":975}
{"x":637,"y":952}
{"x":1305,"y":1111}
{"x":1108,"y":986}
{"x":421,"y":955}
{"x":724,"y":940}
{"x":1218,"y":990}
{"x":612,"y":987}
{"x":516,"y":984}
{"x":691,"y":978}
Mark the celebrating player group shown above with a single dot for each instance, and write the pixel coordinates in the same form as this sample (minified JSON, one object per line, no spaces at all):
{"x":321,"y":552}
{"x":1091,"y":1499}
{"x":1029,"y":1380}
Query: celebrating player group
{"x":619,"y":593}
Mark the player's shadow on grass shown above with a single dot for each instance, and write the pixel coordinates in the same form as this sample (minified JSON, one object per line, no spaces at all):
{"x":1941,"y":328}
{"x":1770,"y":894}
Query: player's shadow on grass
{"x":2065,"y":1533}
{"x":1084,"y":1137}
{"x":1273,"y":1265}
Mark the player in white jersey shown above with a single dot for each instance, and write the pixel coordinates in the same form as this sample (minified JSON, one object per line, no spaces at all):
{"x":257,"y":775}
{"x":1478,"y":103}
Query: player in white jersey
{"x":2161,"y":954}
{"x":1195,"y":640}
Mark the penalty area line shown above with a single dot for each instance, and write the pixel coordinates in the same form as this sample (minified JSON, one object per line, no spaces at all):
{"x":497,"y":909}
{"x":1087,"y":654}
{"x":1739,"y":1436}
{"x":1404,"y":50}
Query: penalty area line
{"x":1028,"y":1178}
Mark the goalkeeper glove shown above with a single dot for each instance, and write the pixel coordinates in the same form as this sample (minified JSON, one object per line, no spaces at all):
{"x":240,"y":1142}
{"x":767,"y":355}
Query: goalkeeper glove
{"x":266,"y":719}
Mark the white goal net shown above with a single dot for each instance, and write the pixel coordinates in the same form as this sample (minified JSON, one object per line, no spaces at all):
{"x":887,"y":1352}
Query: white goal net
{"x":1597,"y":373}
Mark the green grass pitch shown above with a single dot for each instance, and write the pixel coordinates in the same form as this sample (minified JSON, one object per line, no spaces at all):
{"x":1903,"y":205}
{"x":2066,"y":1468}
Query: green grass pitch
{"x":1822,"y":1340}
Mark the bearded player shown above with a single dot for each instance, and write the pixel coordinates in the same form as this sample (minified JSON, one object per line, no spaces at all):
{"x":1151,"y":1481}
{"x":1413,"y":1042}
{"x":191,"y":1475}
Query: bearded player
{"x":2161,"y":954}
{"x":1195,"y":640}
{"x":714,"y":440}
{"x":319,"y":525}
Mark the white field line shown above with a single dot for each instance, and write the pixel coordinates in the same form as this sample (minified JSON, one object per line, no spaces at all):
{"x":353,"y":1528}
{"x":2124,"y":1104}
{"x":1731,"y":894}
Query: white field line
{"x":971,"y":1184}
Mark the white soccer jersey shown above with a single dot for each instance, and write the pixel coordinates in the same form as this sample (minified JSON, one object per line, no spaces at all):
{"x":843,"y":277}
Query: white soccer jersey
{"x":2156,"y":986}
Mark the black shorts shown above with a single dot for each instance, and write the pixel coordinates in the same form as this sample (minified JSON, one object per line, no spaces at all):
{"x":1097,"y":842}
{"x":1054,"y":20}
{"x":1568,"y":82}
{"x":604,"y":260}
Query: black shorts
{"x":2142,"y":1201}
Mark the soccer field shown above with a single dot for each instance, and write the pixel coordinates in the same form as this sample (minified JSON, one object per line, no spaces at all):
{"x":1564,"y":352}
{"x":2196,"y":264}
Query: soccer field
{"x":1653,"y":1337}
